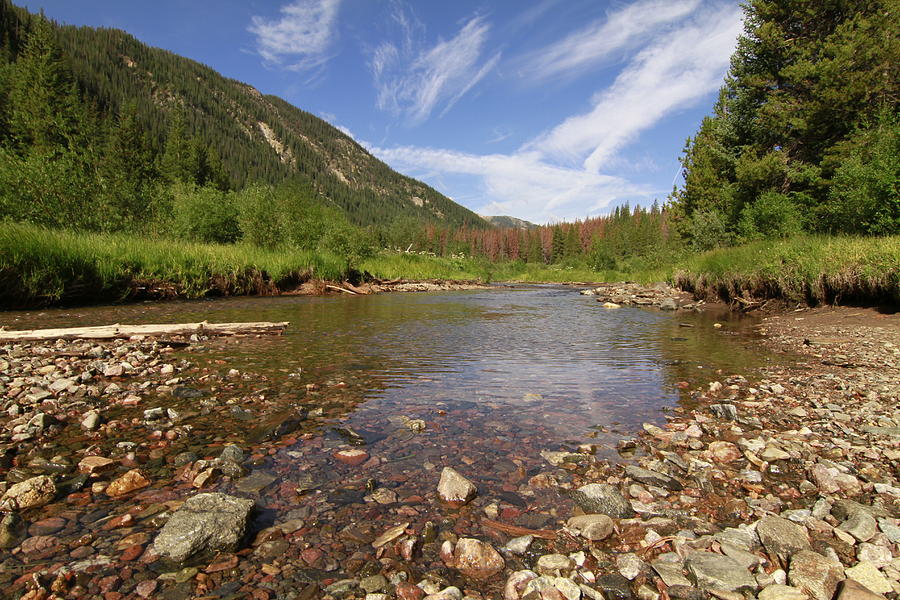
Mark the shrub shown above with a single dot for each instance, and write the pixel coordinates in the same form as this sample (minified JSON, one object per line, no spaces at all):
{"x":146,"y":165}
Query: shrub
{"x":707,"y":229}
{"x":203,"y":214}
{"x":601,"y":257}
{"x":772,"y":215}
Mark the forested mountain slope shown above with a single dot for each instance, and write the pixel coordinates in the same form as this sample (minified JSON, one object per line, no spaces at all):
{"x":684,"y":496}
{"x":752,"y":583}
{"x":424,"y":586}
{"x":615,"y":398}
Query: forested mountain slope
{"x":258,"y":138}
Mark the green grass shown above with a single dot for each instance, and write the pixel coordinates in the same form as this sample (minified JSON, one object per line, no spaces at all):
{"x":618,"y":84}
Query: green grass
{"x":804,"y":269}
{"x":40,"y":266}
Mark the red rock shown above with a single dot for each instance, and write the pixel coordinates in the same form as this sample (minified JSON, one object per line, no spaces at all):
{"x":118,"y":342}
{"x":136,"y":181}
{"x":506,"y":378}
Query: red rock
{"x":47,"y":526}
{"x":129,"y":482}
{"x":79,"y":498}
{"x":94,"y":465}
{"x":81,"y":552}
{"x":408,"y":591}
{"x":38,"y":543}
{"x":109,"y":583}
{"x":132,"y":552}
{"x":112,"y":596}
{"x":146,"y":588}
{"x":120,"y":521}
{"x":222,"y":565}
{"x":311,"y":556}
{"x":352,"y":457}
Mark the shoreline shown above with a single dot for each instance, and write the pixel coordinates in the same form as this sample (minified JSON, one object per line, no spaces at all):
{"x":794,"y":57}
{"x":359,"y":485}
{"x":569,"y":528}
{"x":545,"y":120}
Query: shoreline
{"x":786,"y":475}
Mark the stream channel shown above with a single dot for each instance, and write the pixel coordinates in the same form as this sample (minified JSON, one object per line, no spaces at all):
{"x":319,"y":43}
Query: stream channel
{"x":482,"y":381}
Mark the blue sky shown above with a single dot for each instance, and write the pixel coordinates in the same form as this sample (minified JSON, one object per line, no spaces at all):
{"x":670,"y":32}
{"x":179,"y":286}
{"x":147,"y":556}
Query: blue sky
{"x":545,"y":110}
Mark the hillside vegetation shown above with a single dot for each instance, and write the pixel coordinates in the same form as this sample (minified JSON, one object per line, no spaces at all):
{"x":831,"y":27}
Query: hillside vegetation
{"x":95,"y":126}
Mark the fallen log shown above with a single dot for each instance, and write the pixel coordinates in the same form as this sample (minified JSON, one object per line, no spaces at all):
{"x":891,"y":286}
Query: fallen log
{"x":104,"y":332}
{"x":340,"y":289}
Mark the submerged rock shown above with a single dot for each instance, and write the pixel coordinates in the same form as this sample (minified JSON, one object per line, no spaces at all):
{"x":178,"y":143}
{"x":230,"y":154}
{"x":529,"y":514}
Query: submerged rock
{"x":591,"y":527}
{"x":30,"y":493}
{"x":206,"y":522}
{"x":477,"y":559}
{"x":454,"y":489}
{"x":604,"y":499}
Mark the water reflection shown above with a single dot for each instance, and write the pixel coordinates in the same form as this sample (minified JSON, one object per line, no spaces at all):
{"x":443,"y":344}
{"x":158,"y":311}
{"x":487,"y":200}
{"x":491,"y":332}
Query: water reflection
{"x":537,"y":358}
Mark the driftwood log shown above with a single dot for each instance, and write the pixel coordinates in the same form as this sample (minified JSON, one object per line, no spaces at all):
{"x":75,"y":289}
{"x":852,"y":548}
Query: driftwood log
{"x":127,"y":331}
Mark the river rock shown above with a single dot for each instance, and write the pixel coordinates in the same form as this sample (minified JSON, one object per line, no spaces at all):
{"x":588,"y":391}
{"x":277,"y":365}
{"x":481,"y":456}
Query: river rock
{"x":781,"y":537}
{"x":614,"y":587}
{"x":454,"y":489}
{"x":477,"y":559}
{"x":671,"y":572}
{"x":653,"y":478}
{"x":548,"y":586}
{"x":30,"y":493}
{"x":94,"y":465}
{"x":782,"y":592}
{"x":127,"y":483}
{"x":869,"y":576}
{"x":854,"y":590}
{"x":604,"y":499}
{"x":352,"y":456}
{"x":207,"y":522}
{"x":554,"y":564}
{"x":91,"y":420}
{"x":515,"y":585}
{"x":630,"y":565}
{"x":814,"y":574}
{"x":724,"y":452}
{"x":591,"y":527}
{"x":861,"y":525}
{"x":718,"y":572}
{"x":12,"y":531}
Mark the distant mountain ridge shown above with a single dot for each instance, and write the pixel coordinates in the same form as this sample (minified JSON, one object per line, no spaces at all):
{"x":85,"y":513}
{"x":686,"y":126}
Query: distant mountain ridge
{"x":258,"y":137}
{"x":505,"y":222}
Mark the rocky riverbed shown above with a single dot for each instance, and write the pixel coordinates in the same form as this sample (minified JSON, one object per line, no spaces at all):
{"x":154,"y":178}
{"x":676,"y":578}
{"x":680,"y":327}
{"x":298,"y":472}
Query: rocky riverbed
{"x":140,"y":469}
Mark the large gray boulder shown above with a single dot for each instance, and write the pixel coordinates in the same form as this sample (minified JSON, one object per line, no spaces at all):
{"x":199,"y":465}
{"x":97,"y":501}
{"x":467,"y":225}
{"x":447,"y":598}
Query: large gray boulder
{"x":207,"y":522}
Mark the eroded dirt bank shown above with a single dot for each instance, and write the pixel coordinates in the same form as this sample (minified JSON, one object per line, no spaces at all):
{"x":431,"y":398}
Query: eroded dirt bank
{"x":779,"y":484}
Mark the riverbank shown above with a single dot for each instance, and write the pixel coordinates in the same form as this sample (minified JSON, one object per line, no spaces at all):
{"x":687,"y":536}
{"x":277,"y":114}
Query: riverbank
{"x":784,"y":475}
{"x":42,"y":267}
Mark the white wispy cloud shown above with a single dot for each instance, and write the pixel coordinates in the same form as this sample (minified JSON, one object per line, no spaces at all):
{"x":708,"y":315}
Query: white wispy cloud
{"x":414,"y":80}
{"x":595,"y":42}
{"x":560,"y":174}
{"x":520,"y":184}
{"x":301,"y":38}
{"x":672,"y":73}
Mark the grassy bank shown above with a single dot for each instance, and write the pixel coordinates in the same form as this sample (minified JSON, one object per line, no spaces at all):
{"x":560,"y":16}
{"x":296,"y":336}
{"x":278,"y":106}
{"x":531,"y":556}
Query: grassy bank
{"x":810,"y":270}
{"x":40,"y":267}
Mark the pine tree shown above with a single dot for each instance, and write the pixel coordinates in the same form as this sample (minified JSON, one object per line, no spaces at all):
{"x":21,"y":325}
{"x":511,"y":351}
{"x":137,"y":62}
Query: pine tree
{"x":42,"y":96}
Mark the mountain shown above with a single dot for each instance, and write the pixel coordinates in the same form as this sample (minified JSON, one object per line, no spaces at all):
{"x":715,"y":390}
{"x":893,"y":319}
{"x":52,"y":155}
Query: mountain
{"x":509,"y":222}
{"x":259,"y":138}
